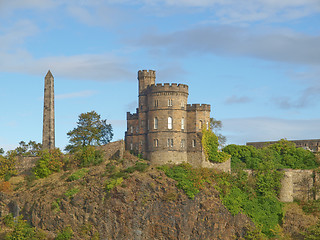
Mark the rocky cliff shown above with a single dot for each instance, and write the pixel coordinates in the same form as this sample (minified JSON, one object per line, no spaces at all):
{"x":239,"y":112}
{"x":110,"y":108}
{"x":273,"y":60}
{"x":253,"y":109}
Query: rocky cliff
{"x":146,"y":205}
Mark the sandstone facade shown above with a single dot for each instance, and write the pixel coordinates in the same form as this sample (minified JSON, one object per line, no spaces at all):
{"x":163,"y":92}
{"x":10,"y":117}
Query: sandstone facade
{"x":165,"y":129}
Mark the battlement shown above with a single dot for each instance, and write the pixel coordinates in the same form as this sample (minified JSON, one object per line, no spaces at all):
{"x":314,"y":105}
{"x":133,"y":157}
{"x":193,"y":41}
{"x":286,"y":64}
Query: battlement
{"x":132,"y":116}
{"x":198,"y":107}
{"x":146,"y":73}
{"x":167,"y":87}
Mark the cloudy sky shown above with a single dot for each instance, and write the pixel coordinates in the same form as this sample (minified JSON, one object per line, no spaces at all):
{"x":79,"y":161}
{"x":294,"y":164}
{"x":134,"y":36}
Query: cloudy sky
{"x":257,"y":62}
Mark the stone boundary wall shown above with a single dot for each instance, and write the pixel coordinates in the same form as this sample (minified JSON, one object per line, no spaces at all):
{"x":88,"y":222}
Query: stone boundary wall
{"x":24,"y":165}
{"x":310,"y":144}
{"x":297,"y":184}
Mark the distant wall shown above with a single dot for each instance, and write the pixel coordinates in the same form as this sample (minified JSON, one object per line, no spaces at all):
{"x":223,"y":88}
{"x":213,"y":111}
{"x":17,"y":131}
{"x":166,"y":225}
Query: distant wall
{"x":24,"y":165}
{"x":299,"y":185}
{"x":311,"y":144}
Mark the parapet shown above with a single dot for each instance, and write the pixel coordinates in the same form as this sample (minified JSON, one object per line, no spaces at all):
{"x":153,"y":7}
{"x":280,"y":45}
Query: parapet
{"x":132,"y":116}
{"x":167,"y":87}
{"x":198,"y":107}
{"x":146,"y":73}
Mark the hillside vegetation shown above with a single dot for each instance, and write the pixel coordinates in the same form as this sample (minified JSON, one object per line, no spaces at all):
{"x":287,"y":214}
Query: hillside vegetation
{"x":95,"y":194}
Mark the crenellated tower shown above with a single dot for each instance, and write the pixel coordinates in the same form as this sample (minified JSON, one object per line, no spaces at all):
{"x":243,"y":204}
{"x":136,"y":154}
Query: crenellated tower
{"x":165,"y":128}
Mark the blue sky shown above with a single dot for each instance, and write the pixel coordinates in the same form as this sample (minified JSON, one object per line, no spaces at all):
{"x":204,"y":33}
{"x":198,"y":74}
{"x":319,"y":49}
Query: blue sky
{"x":257,"y":62}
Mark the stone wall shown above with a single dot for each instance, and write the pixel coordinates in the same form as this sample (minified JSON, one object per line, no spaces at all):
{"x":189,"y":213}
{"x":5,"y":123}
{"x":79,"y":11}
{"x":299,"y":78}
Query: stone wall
{"x":311,"y":144}
{"x":24,"y":165}
{"x":299,"y":185}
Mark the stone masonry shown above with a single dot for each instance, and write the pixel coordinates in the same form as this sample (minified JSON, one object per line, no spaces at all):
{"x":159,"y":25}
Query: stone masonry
{"x":48,"y":134}
{"x":165,"y":129}
{"x":311,"y":144}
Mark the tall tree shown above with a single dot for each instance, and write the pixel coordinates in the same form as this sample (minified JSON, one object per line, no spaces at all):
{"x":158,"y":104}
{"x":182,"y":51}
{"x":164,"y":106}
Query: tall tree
{"x":216,"y":126}
{"x":91,"y":130}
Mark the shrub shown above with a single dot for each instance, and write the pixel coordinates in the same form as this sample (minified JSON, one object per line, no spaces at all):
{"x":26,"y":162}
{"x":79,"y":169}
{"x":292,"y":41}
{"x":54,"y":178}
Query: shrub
{"x":313,"y":232}
{"x":8,"y":166}
{"x":78,"y":174}
{"x":189,"y":179}
{"x":5,"y":186}
{"x":50,"y":161}
{"x":71,"y":192}
{"x":210,"y":146}
{"x":112,"y":183}
{"x":65,"y":234}
{"x":88,"y":156}
{"x":21,"y":230}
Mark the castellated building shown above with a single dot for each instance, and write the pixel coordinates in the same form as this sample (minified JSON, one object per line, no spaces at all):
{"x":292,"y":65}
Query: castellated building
{"x":165,"y":129}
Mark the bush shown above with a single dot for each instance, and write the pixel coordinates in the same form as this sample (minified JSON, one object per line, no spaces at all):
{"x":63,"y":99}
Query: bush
{"x":5,"y":186}
{"x":88,"y":156}
{"x":282,"y":154}
{"x":50,"y":161}
{"x":71,"y":192}
{"x":78,"y":174}
{"x":8,"y":166}
{"x":112,"y":183}
{"x":190,"y":180}
{"x":65,"y":234}
{"x":21,"y":229}
{"x":210,"y":146}
{"x":313,"y":232}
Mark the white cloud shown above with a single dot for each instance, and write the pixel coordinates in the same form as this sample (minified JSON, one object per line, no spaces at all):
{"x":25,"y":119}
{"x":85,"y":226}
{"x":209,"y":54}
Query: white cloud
{"x":99,"y":67}
{"x":242,"y":130}
{"x":281,"y":45}
{"x":237,"y":99}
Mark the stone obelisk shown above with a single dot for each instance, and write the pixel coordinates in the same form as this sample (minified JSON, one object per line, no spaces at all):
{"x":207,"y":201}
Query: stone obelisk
{"x":48,"y":134}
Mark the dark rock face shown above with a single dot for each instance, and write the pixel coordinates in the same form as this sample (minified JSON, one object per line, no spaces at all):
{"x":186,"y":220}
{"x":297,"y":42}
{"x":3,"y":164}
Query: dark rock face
{"x":146,"y":206}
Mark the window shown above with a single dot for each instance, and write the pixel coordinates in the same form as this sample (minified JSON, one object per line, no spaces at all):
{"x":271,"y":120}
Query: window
{"x":142,"y":123}
{"x":183,"y":141}
{"x":131,"y":146}
{"x":169,"y":102}
{"x":182,"y":104}
{"x":155,"y":142}
{"x":141,"y":143}
{"x":170,"y":142}
{"x":156,"y":103}
{"x":155,"y":126}
{"x":193,"y":142}
{"x":207,"y":125}
{"x":200,"y":124}
{"x":148,"y":124}
{"x":169,"y":122}
{"x":182,"y":123}
{"x":137,"y":129}
{"x":131,"y":129}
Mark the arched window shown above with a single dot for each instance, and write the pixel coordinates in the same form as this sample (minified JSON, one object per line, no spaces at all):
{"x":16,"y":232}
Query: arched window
{"x":131,"y":129}
{"x":207,"y":125}
{"x":182,"y":123}
{"x":155,"y":126}
{"x":169,"y":122}
{"x":169,"y":102}
{"x":200,"y":124}
{"x":155,"y":142}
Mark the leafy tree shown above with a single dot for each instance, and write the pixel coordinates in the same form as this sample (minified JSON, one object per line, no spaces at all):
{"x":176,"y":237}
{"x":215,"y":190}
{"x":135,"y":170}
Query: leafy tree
{"x":31,"y":148}
{"x":91,"y":130}
{"x":210,"y":145}
{"x":1,"y":151}
{"x":215,"y":126}
{"x":8,"y":165}
{"x":50,"y":161}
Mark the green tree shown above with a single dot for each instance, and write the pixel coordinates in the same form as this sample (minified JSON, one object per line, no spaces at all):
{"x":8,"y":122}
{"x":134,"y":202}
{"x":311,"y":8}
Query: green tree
{"x":1,"y":151}
{"x":215,"y":126}
{"x":50,"y":161}
{"x":31,"y":148}
{"x":91,"y":130}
